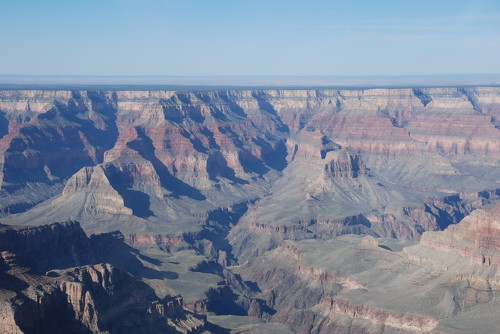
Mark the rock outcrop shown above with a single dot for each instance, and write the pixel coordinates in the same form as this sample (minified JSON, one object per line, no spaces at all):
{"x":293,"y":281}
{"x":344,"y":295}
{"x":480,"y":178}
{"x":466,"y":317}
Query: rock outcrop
{"x":48,"y":246}
{"x":46,"y":286}
{"x":363,"y":284}
{"x":477,"y":237}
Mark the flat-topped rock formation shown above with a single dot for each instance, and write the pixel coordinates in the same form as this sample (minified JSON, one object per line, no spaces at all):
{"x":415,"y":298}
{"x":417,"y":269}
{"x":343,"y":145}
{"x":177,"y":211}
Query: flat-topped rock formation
{"x":48,"y":246}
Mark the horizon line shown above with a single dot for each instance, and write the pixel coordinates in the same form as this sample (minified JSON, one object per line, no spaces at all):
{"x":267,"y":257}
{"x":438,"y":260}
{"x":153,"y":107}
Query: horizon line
{"x":242,"y":75}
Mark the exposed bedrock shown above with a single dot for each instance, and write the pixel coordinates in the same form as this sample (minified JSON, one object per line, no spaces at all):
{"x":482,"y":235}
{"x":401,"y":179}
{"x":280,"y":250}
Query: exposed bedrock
{"x":205,"y":186}
{"x":327,"y":190}
{"x":48,"y":246}
{"x":229,"y":146}
{"x":477,"y":237}
{"x":50,"y":282}
{"x":94,"y":299}
{"x":363,"y":284}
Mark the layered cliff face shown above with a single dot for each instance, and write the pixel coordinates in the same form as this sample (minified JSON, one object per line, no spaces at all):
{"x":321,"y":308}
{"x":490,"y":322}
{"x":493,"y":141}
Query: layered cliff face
{"x":475,"y":238}
{"x":328,"y":191}
{"x":49,"y":246}
{"x":41,"y":290}
{"x":445,"y":284}
{"x":271,"y":180}
{"x":93,"y":299}
{"x":171,"y":156}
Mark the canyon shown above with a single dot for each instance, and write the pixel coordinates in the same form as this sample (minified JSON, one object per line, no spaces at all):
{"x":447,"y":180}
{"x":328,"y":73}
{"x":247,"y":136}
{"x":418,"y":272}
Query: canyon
{"x":250,"y":210}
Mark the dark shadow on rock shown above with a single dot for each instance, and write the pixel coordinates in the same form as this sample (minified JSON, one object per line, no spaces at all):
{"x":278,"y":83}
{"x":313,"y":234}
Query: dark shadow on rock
{"x":103,"y":107}
{"x":263,"y":103}
{"x":208,"y":267}
{"x":359,"y":220}
{"x":4,"y":125}
{"x":155,"y":262}
{"x":197,"y":144}
{"x":423,"y":97}
{"x":231,"y":134}
{"x":215,"y":111}
{"x":11,"y":282}
{"x":47,"y":247}
{"x":327,"y":146}
{"x":178,"y":108}
{"x":217,"y":166}
{"x":210,"y":136}
{"x":52,"y":274}
{"x":190,"y":109}
{"x":218,"y":114}
{"x":60,"y":318}
{"x":223,"y":301}
{"x":138,"y":201}
{"x":471,"y":96}
{"x":273,"y":156}
{"x":172,"y":113}
{"x":224,"y":218}
{"x":262,"y":308}
{"x":251,"y":164}
{"x":184,"y":98}
{"x":110,"y":248}
{"x":267,"y":107}
{"x":444,"y":218}
{"x":144,"y":146}
{"x":62,"y":151}
{"x":233,"y":106}
{"x":253,"y":286}
{"x":105,"y":139}
{"x":61,"y":148}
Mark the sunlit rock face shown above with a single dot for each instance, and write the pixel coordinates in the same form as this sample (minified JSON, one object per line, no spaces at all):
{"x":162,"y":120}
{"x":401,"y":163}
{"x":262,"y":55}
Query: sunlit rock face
{"x":52,"y":281}
{"x":477,"y":237}
{"x":171,"y":156}
{"x":265,"y":183}
{"x":446,"y":283}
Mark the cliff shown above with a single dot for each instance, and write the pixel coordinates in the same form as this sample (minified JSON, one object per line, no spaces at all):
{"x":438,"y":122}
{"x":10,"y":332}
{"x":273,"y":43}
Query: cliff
{"x":170,"y":156}
{"x":444,"y":284}
{"x":477,"y":237}
{"x":47,"y":284}
{"x":47,"y":247}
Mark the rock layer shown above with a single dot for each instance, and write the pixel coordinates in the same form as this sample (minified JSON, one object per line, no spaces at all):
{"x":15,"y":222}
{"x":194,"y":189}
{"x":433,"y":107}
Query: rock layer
{"x":166,"y":152}
{"x":363,"y":284}
{"x":271,"y":180}
{"x":41,"y":290}
{"x":476,"y":237}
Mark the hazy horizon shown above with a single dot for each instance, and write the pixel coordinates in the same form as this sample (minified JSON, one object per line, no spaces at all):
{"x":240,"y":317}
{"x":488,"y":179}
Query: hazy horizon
{"x":242,"y":82}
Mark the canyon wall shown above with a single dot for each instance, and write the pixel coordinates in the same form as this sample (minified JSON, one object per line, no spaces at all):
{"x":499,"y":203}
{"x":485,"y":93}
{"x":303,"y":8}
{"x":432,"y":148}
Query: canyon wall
{"x":50,"y":282}
{"x":155,"y":161}
{"x":355,"y":284}
{"x":218,"y":195}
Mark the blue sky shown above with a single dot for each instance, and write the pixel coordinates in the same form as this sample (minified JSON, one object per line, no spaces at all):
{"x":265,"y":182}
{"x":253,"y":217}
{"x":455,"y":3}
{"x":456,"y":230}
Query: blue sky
{"x":240,"y":37}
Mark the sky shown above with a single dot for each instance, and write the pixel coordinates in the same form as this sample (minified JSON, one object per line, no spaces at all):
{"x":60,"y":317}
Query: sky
{"x":249,"y":38}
